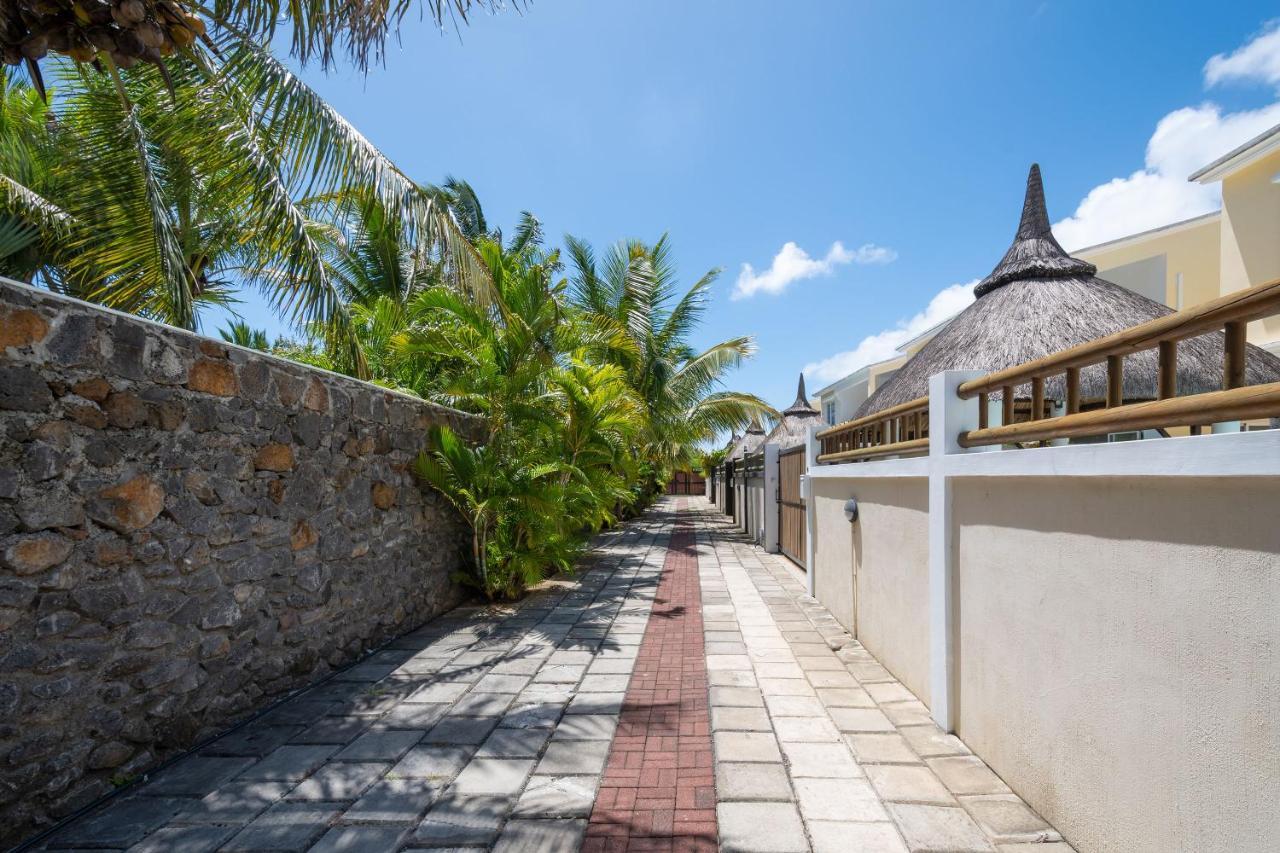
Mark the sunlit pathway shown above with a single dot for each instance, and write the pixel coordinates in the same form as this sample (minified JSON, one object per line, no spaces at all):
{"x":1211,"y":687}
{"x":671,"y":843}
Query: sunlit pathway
{"x":817,"y":746}
{"x":682,"y":693}
{"x":488,"y":728}
{"x":658,"y":791}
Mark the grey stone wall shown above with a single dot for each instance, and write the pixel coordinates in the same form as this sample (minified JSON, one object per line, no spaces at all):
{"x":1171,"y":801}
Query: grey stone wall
{"x":187,"y":531}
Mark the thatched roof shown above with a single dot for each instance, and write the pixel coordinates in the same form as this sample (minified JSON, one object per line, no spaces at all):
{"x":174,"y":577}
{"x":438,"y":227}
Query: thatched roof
{"x":796,"y":418}
{"x":750,"y":442}
{"x":1039,"y":300}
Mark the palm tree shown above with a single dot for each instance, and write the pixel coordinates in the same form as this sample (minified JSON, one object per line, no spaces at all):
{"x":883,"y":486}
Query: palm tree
{"x":633,"y":292}
{"x":239,"y":332}
{"x":489,"y":357}
{"x":120,"y":34}
{"x":139,"y":206}
{"x":556,"y":459}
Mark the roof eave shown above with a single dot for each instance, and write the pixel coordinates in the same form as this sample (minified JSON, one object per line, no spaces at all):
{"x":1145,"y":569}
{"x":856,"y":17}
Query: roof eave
{"x":923,"y":336}
{"x":857,"y":375}
{"x":1250,"y":152}
{"x":1161,"y":231}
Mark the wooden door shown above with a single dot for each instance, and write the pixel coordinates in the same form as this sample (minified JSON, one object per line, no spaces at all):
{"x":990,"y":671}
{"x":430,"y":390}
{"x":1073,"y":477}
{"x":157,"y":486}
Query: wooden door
{"x":792,"y":528}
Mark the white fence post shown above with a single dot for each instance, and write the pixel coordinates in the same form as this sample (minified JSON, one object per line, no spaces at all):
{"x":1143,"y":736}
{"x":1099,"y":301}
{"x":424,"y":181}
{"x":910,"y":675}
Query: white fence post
{"x":948,"y":417}
{"x":771,"y":498}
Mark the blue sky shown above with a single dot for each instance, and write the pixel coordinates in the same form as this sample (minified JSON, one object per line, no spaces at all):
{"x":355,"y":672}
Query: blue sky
{"x":902,"y":132}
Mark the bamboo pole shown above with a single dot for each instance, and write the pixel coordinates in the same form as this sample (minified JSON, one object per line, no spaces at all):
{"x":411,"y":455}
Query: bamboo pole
{"x":1073,"y":390}
{"x":1168,"y":376}
{"x":1115,"y":381}
{"x":1006,"y":404}
{"x":984,"y":401}
{"x":901,"y":408}
{"x":871,"y":452}
{"x":1234,"y":355}
{"x":1037,"y":398}
{"x":1236,"y":404}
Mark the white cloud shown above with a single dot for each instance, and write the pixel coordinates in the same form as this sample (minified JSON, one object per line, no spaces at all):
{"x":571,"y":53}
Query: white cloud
{"x":1256,"y":62}
{"x":882,"y":345}
{"x":1183,"y":141}
{"x":793,"y":264}
{"x":1160,"y":193}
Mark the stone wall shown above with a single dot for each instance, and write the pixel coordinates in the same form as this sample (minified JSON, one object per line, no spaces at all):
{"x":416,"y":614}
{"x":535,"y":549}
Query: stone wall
{"x":187,"y":530}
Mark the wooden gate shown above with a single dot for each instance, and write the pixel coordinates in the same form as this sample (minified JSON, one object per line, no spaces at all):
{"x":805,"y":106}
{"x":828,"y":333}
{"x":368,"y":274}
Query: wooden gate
{"x":686,"y":483}
{"x":792,"y":529}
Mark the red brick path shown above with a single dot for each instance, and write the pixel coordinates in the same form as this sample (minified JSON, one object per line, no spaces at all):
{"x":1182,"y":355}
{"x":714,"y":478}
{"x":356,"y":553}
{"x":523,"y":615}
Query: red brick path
{"x":658,"y":791}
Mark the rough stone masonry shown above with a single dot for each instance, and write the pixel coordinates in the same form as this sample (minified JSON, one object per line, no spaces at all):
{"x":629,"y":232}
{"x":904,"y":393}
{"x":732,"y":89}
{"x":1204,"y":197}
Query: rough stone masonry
{"x":188,"y":530}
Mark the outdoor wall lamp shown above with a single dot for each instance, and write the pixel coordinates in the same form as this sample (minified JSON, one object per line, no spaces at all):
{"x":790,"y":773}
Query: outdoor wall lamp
{"x":851,"y":510}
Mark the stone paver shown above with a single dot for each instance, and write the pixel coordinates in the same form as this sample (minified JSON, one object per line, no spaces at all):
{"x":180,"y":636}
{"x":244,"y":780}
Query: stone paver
{"x":681,"y":693}
{"x":488,"y":726}
{"x":862,"y":765}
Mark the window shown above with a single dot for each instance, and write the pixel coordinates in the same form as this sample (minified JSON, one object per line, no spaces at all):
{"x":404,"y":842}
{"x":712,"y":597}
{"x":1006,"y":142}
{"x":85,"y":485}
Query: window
{"x":829,"y":412}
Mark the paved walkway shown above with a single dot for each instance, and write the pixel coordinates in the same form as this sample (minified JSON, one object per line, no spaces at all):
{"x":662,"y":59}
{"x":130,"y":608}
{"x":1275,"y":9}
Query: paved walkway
{"x":682,"y":693}
{"x":658,"y":791}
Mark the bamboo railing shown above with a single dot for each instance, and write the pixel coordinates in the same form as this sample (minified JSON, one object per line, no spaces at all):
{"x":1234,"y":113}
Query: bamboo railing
{"x":1234,"y":402}
{"x":894,"y":431}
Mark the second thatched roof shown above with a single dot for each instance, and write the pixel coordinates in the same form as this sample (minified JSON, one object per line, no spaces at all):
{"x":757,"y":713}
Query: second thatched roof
{"x":750,"y":441}
{"x":796,"y":418}
{"x":1039,"y":300}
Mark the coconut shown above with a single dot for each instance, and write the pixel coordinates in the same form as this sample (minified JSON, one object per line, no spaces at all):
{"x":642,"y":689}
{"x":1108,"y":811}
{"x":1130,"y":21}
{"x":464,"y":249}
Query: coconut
{"x":150,"y":34}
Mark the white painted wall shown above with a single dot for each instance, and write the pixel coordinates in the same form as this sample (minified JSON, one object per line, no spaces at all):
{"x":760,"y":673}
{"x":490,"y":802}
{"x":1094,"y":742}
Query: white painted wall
{"x":1108,"y":618}
{"x":847,"y":399}
{"x":875,"y":577}
{"x":1119,"y":655}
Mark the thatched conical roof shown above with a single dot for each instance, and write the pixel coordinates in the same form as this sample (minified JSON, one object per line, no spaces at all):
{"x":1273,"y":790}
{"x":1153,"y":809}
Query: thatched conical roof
{"x":750,"y":442}
{"x":1039,"y":300}
{"x":796,"y":418}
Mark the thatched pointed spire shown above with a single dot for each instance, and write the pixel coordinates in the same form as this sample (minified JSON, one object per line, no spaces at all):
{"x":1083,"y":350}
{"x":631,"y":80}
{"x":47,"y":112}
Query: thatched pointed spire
{"x":801,"y":407}
{"x":1040,"y":300}
{"x":1035,"y":253}
{"x":1035,"y":213}
{"x":754,"y":428}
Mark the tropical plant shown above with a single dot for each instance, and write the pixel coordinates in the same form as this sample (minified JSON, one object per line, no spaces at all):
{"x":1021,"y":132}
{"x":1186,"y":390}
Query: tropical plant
{"x":137,"y":205}
{"x":557,"y":460}
{"x":241,"y":333}
{"x":117,"y":34}
{"x":633,"y":293}
{"x":711,"y":460}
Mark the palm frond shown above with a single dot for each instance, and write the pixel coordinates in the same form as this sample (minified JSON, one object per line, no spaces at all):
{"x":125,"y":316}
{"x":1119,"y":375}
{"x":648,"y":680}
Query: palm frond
{"x":327,"y":153}
{"x":319,"y":30}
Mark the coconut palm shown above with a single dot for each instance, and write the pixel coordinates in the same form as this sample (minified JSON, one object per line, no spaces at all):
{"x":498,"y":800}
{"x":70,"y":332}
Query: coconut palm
{"x":633,"y":291}
{"x":557,"y":459}
{"x":118,"y":34}
{"x":140,"y":207}
{"x":241,"y":333}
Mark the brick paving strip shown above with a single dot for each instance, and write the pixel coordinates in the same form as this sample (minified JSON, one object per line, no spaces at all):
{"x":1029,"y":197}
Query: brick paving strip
{"x":658,"y":791}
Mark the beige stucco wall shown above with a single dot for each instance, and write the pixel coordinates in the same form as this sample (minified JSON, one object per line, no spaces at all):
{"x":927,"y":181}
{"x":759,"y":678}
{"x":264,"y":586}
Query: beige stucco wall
{"x":886,"y":554}
{"x":833,"y":549}
{"x":1119,"y":655}
{"x":1192,"y":251}
{"x":1251,"y":235}
{"x":876,"y":375}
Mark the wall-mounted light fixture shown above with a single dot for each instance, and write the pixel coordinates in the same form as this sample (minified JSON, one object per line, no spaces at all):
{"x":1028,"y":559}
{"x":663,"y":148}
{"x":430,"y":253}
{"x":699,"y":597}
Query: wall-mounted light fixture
{"x":851,"y":510}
